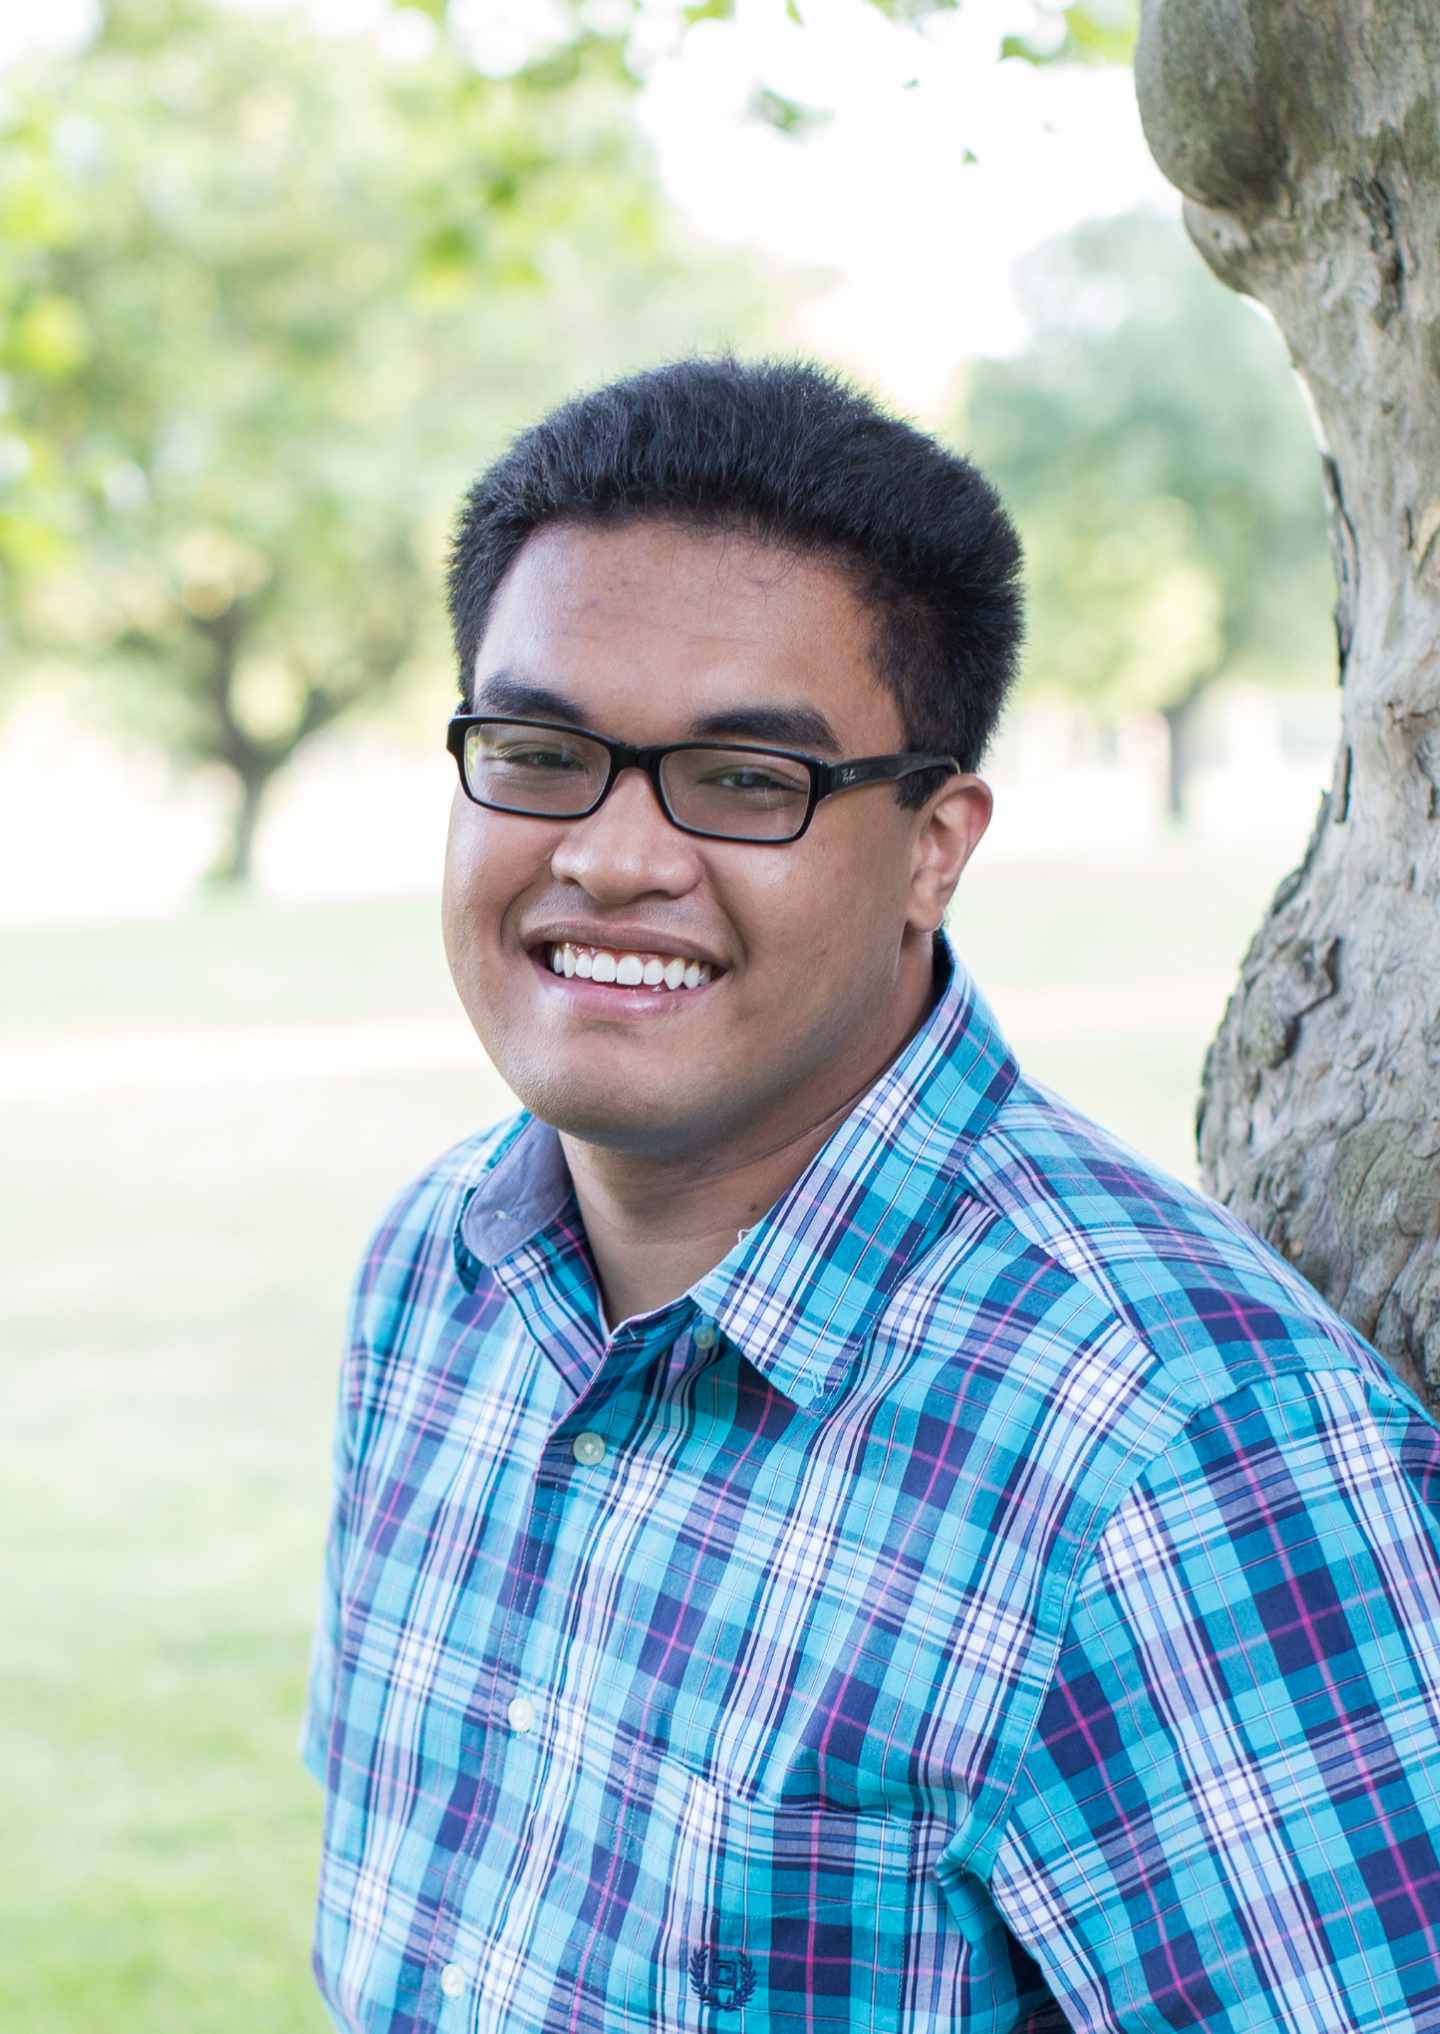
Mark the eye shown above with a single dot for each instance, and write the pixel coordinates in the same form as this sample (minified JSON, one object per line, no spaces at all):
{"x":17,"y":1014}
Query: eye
{"x":742,"y":778}
{"x":537,"y":758}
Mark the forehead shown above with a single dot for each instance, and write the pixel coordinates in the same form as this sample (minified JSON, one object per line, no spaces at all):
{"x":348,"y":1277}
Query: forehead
{"x":666,"y":622}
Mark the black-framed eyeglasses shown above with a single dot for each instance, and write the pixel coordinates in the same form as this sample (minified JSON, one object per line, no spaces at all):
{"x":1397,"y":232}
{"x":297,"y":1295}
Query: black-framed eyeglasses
{"x":720,"y":790}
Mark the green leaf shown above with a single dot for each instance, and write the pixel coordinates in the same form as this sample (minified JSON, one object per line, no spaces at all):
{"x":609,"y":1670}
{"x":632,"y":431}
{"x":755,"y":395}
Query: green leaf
{"x":914,"y":10}
{"x":1093,"y":34}
{"x":51,"y":338}
{"x":448,"y":248}
{"x":1101,"y":39}
{"x":786,"y":116}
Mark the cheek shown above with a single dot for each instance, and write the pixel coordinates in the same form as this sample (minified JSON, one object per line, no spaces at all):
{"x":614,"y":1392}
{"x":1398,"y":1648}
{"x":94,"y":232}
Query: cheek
{"x":485,"y":871}
{"x":804,"y":915}
{"x":458,"y":899}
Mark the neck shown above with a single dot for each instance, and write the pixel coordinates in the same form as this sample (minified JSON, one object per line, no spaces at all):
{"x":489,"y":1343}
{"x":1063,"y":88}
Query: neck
{"x":657,"y":1224}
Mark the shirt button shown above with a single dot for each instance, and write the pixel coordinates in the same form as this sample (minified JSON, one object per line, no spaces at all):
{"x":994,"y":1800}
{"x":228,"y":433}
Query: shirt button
{"x":705,"y":1335}
{"x":588,"y":1448}
{"x":452,"y":1981}
{"x":522,"y":1715}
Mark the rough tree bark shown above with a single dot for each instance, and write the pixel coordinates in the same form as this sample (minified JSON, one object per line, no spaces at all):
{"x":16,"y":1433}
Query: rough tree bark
{"x":1305,"y":136}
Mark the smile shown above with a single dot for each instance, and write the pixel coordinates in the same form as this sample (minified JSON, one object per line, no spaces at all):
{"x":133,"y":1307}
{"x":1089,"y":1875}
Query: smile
{"x":659,"y":972}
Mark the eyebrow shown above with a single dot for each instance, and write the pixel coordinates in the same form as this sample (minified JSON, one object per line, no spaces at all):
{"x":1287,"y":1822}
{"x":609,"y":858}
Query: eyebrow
{"x":800,"y":727}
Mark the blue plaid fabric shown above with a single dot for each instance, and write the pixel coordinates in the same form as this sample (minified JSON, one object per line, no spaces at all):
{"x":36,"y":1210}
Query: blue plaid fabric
{"x":1000,"y":1595}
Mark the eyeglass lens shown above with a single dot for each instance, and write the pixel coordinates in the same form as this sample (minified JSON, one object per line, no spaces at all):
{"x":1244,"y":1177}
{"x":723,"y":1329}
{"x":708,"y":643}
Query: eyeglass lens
{"x":550,"y":773}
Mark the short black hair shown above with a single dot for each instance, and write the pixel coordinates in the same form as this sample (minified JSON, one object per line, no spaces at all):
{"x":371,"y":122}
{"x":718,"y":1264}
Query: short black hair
{"x":791,"y":454}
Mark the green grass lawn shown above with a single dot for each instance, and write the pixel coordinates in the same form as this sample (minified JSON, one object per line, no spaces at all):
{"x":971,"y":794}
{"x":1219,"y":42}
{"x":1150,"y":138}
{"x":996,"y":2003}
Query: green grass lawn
{"x":181,"y":1252}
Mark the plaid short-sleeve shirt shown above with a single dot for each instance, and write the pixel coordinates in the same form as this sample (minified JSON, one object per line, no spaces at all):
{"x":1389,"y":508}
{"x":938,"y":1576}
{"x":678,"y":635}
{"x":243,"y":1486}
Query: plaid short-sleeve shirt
{"x":999,"y":1595}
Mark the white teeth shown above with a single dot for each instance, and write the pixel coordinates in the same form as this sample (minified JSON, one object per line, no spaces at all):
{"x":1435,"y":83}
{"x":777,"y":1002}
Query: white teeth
{"x":627,"y":970}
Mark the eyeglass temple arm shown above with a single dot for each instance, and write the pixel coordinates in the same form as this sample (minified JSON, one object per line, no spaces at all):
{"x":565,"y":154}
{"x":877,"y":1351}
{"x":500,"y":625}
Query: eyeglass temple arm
{"x":873,"y":769}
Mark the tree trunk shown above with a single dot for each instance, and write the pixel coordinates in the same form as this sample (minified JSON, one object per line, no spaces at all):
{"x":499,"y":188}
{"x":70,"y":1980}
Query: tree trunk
{"x":1305,"y":135}
{"x":1180,"y":720}
{"x":233,"y":867}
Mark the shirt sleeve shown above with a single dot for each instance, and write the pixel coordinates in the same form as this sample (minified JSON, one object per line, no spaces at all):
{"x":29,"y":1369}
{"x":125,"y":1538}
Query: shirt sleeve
{"x":314,"y":1737}
{"x":1228,"y":1814}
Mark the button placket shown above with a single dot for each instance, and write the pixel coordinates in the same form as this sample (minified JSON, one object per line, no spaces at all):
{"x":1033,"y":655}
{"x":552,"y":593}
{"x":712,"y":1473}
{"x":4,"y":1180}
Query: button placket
{"x":549,"y":1488}
{"x":614,"y":1373}
{"x":495,"y":1743}
{"x":546,"y":1493}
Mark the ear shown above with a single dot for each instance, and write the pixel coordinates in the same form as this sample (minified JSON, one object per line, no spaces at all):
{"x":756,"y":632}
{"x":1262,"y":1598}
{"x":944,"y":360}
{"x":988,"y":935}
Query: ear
{"x":948,"y":829}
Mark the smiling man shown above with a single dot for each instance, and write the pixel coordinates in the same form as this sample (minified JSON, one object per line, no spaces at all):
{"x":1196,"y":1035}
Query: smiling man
{"x":824,"y":1537}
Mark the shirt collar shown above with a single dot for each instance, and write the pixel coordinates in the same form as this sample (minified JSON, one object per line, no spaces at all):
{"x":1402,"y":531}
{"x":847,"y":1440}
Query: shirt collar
{"x":800,"y":1290}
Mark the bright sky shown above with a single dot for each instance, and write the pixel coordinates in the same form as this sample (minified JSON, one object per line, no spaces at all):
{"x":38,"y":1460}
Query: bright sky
{"x":923,"y":237}
{"x":920,"y":238}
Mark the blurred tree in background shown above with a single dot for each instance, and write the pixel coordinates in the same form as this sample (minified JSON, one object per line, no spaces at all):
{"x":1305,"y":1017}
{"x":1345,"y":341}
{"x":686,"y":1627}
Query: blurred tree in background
{"x":268,"y":301}
{"x":269,"y":298}
{"x":1154,"y":445}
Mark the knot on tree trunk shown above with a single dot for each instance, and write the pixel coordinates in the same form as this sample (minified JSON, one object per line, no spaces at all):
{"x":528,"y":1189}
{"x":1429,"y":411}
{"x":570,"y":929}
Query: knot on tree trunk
{"x":1295,"y":980}
{"x":1200,"y":76}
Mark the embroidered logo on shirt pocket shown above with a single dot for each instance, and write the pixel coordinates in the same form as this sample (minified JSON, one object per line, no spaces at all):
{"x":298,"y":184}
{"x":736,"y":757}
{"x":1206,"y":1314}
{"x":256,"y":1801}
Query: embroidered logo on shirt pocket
{"x":802,"y":1911}
{"x":720,"y":1980}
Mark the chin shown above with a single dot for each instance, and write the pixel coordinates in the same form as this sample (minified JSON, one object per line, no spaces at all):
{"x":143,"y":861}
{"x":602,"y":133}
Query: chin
{"x":601,"y":1114}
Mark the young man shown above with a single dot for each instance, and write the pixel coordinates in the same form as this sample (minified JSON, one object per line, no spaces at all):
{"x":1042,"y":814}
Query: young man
{"x":826,"y":1538}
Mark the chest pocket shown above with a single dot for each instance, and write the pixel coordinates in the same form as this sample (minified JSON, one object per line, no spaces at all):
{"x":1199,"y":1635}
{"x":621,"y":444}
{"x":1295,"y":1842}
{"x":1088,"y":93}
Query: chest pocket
{"x":756,"y":1916}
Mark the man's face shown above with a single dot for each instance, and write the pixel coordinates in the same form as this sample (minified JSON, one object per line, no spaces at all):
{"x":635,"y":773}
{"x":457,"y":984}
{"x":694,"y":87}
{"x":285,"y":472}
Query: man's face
{"x":820,"y":950}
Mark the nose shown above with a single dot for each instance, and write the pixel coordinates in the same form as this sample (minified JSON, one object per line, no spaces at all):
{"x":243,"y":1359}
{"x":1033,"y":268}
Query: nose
{"x":626,"y":848}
